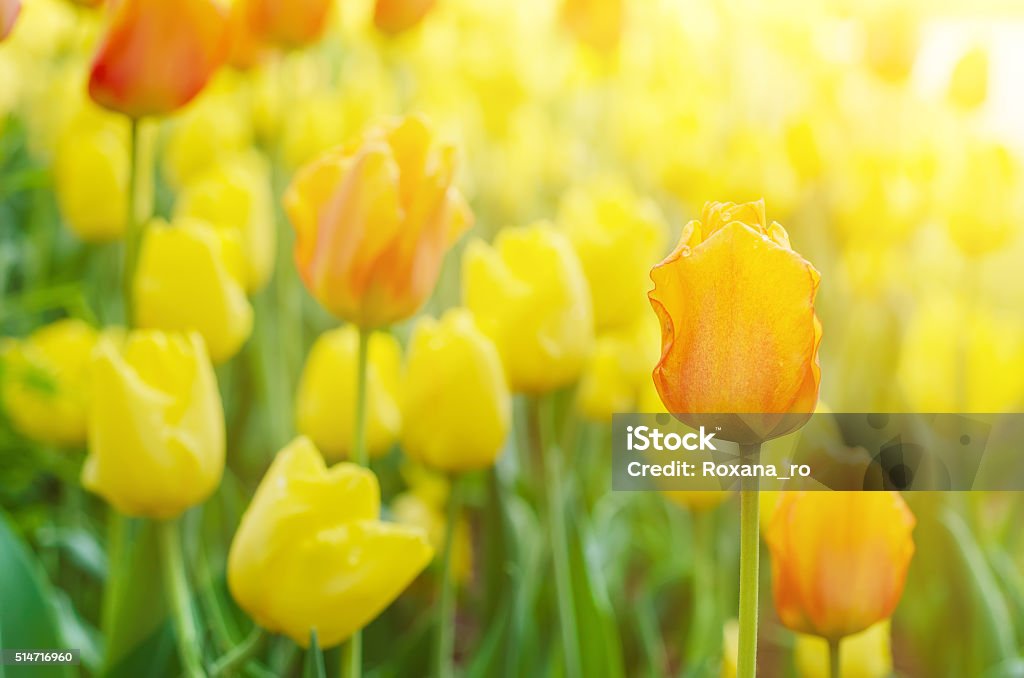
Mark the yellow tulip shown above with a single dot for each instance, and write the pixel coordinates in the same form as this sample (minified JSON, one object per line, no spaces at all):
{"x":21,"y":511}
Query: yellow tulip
{"x":46,"y":382}
{"x":618,"y":237}
{"x":739,"y":330}
{"x":456,"y":409}
{"x":373,"y":222}
{"x":529,"y":295}
{"x":189,"y":278}
{"x":235,"y":196}
{"x":156,"y":424}
{"x":985,"y":210}
{"x":968,"y":85}
{"x":327,"y":390}
{"x":892,"y":39}
{"x":312,"y":553}
{"x":618,"y":369}
{"x":730,"y":648}
{"x":190,"y":148}
{"x":596,"y":23}
{"x":313,"y":123}
{"x":862,"y":655}
{"x":415,"y":510}
{"x":697,"y":500}
{"x":839,"y":559}
{"x":91,"y":174}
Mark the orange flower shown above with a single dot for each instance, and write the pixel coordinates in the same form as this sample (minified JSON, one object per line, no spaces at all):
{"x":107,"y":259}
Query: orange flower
{"x":839,"y":559}
{"x":9,"y":10}
{"x":373,"y":221}
{"x":246,"y":49}
{"x":395,"y":16}
{"x":597,"y":23}
{"x":738,"y":328}
{"x":157,"y":55}
{"x":288,"y":24}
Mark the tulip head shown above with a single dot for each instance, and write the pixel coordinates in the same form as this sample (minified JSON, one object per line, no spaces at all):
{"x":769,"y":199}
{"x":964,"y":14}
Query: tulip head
{"x":739,"y":331}
{"x":288,"y":24}
{"x":234,"y":196}
{"x":457,"y":409}
{"x":189,"y":278}
{"x":156,"y":425}
{"x":618,"y":370}
{"x":373,"y":222}
{"x":157,"y":55}
{"x":311,"y":551}
{"x":968,"y":86}
{"x":46,"y":382}
{"x":839,"y":559}
{"x":596,"y":23}
{"x":91,"y":174}
{"x":326,"y":397}
{"x":190,"y":149}
{"x":396,"y":16}
{"x":9,"y":10}
{"x":529,"y":295}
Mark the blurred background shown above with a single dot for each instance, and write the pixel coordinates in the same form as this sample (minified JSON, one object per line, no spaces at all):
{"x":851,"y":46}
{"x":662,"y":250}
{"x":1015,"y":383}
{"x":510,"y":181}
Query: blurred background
{"x":887,"y":137}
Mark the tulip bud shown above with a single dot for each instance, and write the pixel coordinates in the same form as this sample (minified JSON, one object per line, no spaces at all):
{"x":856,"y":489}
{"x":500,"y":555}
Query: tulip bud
{"x":839,"y":559}
{"x":91,"y":175}
{"x":327,"y":393}
{"x":618,"y":237}
{"x":739,"y":331}
{"x":288,"y":23}
{"x":9,"y":10}
{"x":529,"y":295}
{"x":373,"y":222}
{"x":396,"y":16}
{"x":596,"y":23}
{"x":46,"y":382}
{"x":234,"y":196}
{"x":156,"y":424}
{"x":157,"y":55}
{"x":189,"y":278}
{"x":190,"y":149}
{"x":892,"y":41}
{"x":968,"y":86}
{"x":312,"y":553}
{"x":862,"y":655}
{"x":618,"y":369}
{"x":457,"y":409}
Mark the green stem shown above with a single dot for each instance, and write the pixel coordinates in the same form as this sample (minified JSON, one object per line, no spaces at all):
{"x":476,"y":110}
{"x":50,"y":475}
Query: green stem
{"x":239,"y":654}
{"x":133,"y":221}
{"x":446,"y":609}
{"x":834,"y":666}
{"x":705,"y":629}
{"x":352,"y":652}
{"x":749,"y":553}
{"x":178,"y":595}
{"x":559,"y":542}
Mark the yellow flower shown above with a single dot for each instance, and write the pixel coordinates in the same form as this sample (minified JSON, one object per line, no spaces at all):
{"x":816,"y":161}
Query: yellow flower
{"x":968,"y":85}
{"x":985,"y":210}
{"x":312,"y":553}
{"x":618,"y":237}
{"x":373,"y":222}
{"x":235,"y":196}
{"x":415,"y":510}
{"x":862,"y":655}
{"x":189,"y":278}
{"x":739,"y":330}
{"x":91,"y":174}
{"x":528,"y":294}
{"x":211,"y":128}
{"x":892,"y":38}
{"x":697,"y":500}
{"x":327,"y":390}
{"x":312,"y":124}
{"x":730,"y":648}
{"x":156,"y":424}
{"x":46,"y":382}
{"x":456,"y":409}
{"x":618,"y":369}
{"x":839,"y":559}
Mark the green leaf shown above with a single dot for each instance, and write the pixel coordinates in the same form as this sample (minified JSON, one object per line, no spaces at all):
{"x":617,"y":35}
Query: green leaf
{"x":27,"y":619}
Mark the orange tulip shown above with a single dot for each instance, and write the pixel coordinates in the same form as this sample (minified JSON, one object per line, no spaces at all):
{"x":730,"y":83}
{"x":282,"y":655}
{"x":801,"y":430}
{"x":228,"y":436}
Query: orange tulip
{"x":597,"y":23}
{"x":9,"y":10}
{"x":246,"y":49}
{"x":290,"y":24}
{"x":157,"y":55}
{"x":738,"y":328}
{"x":839,"y":559}
{"x":373,"y":221}
{"x":395,"y":16}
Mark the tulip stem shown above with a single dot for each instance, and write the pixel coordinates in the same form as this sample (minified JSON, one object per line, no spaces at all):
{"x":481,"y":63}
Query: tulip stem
{"x":352,"y":652}
{"x":178,"y":595}
{"x":833,"y":658}
{"x":132,"y":221}
{"x":749,"y":546}
{"x":447,"y":606}
{"x":559,"y":540}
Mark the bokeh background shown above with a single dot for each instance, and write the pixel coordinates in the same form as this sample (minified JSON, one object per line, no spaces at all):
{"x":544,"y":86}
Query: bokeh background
{"x":887,"y":138}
